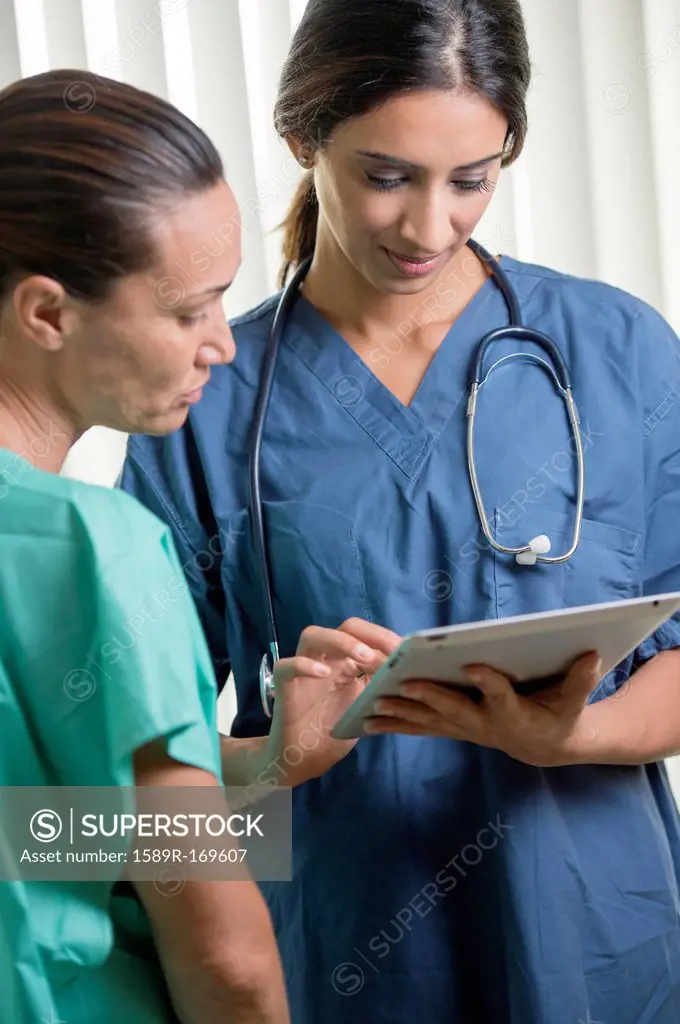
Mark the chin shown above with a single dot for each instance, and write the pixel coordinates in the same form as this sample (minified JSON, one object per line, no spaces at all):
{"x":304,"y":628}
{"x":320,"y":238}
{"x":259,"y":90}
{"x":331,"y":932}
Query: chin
{"x":405,"y":286}
{"x":410,"y":287}
{"x":161,"y":424}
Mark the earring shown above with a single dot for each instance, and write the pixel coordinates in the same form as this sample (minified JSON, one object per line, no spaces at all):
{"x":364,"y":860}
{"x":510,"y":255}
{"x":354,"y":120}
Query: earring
{"x":306,"y":160}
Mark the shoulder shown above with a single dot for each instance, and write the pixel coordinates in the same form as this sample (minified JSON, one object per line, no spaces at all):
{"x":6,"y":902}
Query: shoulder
{"x":610,"y":334}
{"x":595,"y":309}
{"x":253,"y":327}
{"x":109,"y":514}
{"x":537,"y":282}
{"x":258,"y":318}
{"x":103,"y":523}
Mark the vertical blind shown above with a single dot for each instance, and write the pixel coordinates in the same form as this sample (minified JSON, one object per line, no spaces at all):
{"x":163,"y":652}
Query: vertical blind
{"x":595,"y":192}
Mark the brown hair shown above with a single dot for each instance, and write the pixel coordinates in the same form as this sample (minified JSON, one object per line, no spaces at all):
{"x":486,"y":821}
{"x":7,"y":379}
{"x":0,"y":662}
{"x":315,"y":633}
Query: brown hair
{"x":349,"y":56}
{"x":85,"y":164}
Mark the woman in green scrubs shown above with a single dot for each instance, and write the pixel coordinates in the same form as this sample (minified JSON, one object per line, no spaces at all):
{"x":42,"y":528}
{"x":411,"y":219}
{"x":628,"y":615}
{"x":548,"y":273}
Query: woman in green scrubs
{"x":105,"y":677}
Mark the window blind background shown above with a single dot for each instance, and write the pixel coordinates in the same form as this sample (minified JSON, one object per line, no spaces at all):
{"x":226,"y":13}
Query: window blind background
{"x":595,"y":192}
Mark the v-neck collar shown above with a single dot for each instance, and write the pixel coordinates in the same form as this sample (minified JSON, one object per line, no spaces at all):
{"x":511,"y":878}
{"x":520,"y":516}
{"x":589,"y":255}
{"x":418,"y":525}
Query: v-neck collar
{"x":405,"y":433}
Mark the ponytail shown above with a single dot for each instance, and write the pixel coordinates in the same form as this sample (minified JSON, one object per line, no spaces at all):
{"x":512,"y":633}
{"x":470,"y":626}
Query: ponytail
{"x":299,"y":238}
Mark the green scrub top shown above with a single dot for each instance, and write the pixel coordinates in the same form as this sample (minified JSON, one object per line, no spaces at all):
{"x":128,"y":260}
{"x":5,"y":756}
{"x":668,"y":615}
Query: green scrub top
{"x":101,"y":652}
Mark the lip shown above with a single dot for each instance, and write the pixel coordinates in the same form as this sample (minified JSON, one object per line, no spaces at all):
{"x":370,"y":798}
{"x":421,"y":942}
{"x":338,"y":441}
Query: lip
{"x":414,"y":266}
{"x":194,"y":396}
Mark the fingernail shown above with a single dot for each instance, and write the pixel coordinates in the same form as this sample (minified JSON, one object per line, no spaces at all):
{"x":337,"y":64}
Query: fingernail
{"x":473,"y":675}
{"x":597,"y":666}
{"x":321,"y":669}
{"x":363,"y":653}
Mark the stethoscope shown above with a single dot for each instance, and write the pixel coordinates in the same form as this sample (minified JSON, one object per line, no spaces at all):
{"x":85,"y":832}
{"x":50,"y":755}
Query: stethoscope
{"x":535,"y":551}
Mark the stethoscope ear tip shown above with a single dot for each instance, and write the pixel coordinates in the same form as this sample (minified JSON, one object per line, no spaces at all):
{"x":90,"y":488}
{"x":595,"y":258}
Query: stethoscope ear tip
{"x":538,"y":546}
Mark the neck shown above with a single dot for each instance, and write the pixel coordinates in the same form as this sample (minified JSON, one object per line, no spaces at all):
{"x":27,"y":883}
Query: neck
{"x":31,"y":428}
{"x":352,"y":305}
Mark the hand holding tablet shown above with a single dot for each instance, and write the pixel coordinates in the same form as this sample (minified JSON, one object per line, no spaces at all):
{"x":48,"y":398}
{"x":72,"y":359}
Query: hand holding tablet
{"x":511,"y":657}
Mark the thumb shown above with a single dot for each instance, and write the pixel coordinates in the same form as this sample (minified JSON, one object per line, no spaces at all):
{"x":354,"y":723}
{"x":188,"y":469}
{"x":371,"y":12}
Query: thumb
{"x":583,"y":677}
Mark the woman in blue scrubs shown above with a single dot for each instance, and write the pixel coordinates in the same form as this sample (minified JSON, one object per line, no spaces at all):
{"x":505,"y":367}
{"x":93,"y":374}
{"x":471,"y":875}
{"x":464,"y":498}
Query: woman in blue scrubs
{"x":516,"y":861}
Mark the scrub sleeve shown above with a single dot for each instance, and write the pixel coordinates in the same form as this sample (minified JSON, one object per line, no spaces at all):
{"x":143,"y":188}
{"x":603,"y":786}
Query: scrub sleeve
{"x":128,"y":666}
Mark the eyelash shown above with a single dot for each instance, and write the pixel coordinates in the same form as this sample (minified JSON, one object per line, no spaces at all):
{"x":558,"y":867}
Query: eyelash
{"x":390,"y":184}
{"x":190,"y":319}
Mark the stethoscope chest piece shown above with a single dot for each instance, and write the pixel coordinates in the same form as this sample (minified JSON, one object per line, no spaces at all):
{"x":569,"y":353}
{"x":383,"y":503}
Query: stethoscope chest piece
{"x":267,"y":687}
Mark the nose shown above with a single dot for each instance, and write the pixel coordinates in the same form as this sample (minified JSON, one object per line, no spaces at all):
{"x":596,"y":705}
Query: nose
{"x":218,"y":348}
{"x":426,"y":225}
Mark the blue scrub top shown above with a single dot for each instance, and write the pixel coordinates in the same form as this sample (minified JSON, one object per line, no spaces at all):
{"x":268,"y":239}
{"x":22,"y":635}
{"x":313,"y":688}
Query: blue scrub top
{"x":436,"y":879}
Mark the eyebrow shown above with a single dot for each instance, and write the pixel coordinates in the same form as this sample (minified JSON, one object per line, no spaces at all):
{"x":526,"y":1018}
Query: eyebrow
{"x":215,"y":289}
{"x":407,"y":166}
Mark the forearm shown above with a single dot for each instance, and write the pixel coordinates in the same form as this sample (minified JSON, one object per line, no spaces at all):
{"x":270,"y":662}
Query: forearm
{"x":242,"y":759}
{"x":253,"y":767}
{"x":213,"y":994}
{"x":219,"y":955}
{"x":639,"y":725}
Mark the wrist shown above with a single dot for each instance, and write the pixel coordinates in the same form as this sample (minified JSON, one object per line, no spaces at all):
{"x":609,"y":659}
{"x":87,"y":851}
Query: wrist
{"x":584,"y":744}
{"x":606,"y":733}
{"x":280,"y":764}
{"x":259,"y":760}
{"x":242,"y":759}
{"x":288,"y":761}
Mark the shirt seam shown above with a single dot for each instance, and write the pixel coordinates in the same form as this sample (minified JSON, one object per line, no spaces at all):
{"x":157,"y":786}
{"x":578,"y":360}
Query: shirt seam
{"x":165,"y":505}
{"x":409,"y":476}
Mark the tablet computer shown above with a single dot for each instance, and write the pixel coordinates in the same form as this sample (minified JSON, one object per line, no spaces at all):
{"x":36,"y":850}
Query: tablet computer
{"x":534,"y":651}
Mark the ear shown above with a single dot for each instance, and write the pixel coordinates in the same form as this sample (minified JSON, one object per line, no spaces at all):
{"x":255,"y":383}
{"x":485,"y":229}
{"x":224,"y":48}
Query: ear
{"x":44,"y":311}
{"x":302,"y":152}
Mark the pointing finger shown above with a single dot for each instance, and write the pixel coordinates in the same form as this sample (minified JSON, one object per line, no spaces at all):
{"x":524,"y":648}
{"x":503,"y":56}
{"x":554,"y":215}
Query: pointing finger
{"x":320,"y":643}
{"x":377,"y":637}
{"x":288,"y":669}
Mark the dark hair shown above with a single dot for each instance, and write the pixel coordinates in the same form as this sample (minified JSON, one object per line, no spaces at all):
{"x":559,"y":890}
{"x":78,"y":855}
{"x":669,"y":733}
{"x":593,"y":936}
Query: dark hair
{"x":349,"y":56}
{"x":85,"y":164}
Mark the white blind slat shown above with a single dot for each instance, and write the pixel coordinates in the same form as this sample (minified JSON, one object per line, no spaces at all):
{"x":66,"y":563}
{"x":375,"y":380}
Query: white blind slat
{"x":266,"y":34}
{"x":660,"y":63}
{"x":620,"y":147}
{"x":32,"y":37}
{"x":222,"y":98}
{"x":557,"y":186}
{"x":140,"y":51}
{"x":100,"y":28}
{"x":10,"y":68}
{"x":179,"y":60}
{"x":297,"y":9}
{"x":65,"y":34}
